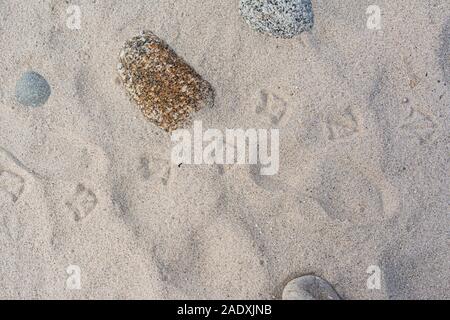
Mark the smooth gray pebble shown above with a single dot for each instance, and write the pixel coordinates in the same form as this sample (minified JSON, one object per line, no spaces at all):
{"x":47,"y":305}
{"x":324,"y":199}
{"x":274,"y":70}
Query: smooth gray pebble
{"x":32,"y":90}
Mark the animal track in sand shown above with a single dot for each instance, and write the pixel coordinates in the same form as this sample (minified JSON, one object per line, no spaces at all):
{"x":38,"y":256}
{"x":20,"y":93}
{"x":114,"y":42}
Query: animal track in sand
{"x":347,"y":193}
{"x":410,"y":72}
{"x":15,"y":204}
{"x":12,"y":180}
{"x":343,"y":126}
{"x":155,"y":167}
{"x":25,"y":230}
{"x":420,"y":125}
{"x":272,"y":106}
{"x":11,"y":184}
{"x":144,"y":168}
{"x":83,"y":202}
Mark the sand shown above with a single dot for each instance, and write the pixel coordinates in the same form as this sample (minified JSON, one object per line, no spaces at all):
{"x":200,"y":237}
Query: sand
{"x":87,"y":181}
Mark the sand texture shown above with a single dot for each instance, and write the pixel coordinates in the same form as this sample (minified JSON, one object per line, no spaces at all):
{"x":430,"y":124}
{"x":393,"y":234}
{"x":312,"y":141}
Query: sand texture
{"x":87,"y":181}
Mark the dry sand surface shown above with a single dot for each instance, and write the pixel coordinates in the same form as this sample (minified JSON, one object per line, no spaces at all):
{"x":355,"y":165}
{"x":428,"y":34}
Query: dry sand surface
{"x":87,"y":181}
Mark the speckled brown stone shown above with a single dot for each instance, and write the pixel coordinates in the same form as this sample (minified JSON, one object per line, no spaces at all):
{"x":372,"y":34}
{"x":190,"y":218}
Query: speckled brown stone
{"x":166,"y":89}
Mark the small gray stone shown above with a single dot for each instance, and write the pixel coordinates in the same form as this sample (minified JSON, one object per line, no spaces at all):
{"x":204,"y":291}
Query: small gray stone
{"x":309,"y":288}
{"x":280,"y":18}
{"x":32,"y":90}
